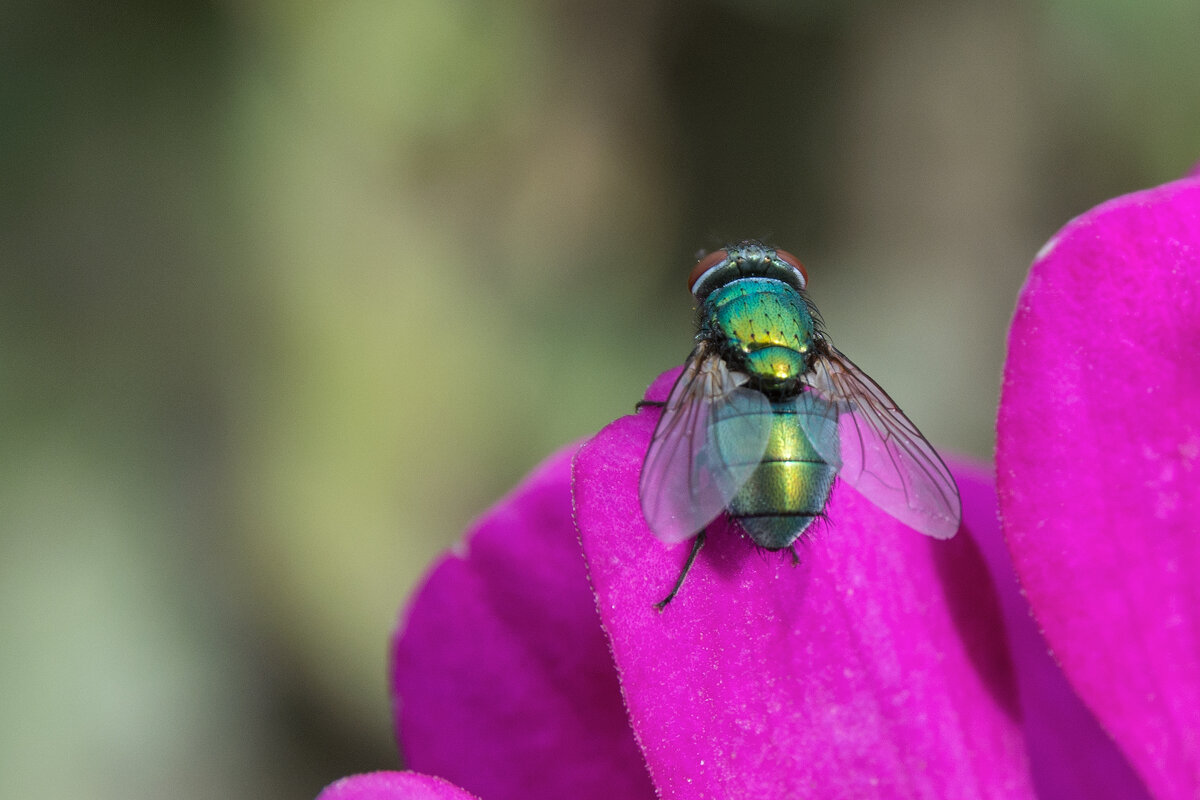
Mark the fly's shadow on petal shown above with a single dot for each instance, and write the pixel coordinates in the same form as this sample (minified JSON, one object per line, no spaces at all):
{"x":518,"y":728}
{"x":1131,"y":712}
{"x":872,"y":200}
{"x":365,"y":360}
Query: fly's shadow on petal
{"x":975,"y":611}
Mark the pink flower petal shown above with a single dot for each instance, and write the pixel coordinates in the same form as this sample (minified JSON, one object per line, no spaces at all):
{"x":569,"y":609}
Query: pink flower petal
{"x":876,"y":668}
{"x":1071,"y":756}
{"x":501,"y":676}
{"x":1098,"y":457}
{"x":393,"y":786}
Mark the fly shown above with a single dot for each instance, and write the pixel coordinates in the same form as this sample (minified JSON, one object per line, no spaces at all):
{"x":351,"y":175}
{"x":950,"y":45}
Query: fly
{"x":767,"y":412}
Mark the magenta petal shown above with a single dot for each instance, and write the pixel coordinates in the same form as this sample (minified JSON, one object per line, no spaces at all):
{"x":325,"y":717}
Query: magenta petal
{"x":393,"y":786}
{"x":876,"y":668}
{"x":1071,"y":756}
{"x":501,"y":676}
{"x":1098,"y":459}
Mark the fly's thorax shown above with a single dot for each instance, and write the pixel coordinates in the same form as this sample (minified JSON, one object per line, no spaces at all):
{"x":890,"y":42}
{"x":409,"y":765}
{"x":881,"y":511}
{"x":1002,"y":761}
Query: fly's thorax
{"x":762,"y":327}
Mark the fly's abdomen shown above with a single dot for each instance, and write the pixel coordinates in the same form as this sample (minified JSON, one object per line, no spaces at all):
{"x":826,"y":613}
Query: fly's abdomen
{"x":789,"y":488}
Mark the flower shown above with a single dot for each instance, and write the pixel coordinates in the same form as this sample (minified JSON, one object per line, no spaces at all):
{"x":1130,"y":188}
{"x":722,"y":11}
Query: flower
{"x":393,"y":786}
{"x":1098,"y":463}
{"x":885,"y":663}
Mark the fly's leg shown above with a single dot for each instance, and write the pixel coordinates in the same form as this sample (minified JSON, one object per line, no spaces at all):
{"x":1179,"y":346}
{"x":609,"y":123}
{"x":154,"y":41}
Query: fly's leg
{"x":795,"y":556}
{"x":640,"y":404}
{"x":687,"y":565}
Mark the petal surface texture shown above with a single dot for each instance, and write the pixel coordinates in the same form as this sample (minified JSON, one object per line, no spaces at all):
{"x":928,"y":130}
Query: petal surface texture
{"x":501,"y":676}
{"x":1098,"y":469}
{"x":1071,"y":756}
{"x":877,"y":667}
{"x":393,"y":786}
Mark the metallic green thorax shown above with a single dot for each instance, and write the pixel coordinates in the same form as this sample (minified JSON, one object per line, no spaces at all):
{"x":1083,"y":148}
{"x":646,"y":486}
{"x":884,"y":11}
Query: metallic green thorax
{"x":764,"y":328}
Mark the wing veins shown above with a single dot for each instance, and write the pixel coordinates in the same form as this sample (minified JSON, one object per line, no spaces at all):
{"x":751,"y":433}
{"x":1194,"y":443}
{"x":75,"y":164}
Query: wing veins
{"x":889,"y":447}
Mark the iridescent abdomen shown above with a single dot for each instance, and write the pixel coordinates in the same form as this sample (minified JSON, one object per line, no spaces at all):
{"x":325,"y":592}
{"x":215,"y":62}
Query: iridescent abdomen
{"x":790,"y":487}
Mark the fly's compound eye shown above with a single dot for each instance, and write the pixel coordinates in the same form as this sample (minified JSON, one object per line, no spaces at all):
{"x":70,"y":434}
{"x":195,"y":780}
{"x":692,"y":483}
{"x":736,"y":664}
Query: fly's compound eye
{"x":703,"y":267}
{"x":794,"y":263}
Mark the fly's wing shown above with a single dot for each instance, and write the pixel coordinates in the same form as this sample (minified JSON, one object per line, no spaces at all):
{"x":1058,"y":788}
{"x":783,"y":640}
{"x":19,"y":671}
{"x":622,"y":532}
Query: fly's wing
{"x":709,"y":440}
{"x":854,"y":425}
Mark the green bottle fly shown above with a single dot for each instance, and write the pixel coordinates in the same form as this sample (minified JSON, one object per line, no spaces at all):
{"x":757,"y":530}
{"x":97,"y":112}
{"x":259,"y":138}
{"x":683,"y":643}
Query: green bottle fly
{"x":767,"y":413}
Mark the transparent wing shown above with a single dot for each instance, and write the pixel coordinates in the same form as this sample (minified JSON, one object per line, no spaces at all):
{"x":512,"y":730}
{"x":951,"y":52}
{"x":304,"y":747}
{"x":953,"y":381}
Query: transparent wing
{"x":853,"y":423}
{"x":709,"y":440}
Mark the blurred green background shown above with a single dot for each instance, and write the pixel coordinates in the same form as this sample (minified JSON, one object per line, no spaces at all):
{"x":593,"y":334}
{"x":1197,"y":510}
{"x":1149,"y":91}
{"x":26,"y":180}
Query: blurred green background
{"x":291,"y":292}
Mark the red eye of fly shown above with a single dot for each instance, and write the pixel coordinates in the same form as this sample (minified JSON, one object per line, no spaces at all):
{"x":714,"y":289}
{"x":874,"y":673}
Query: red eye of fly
{"x":704,"y":265}
{"x":794,"y":263}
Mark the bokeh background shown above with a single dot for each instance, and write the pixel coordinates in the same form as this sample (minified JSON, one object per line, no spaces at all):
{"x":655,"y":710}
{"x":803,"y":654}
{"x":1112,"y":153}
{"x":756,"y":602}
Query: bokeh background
{"x":290,"y":292}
